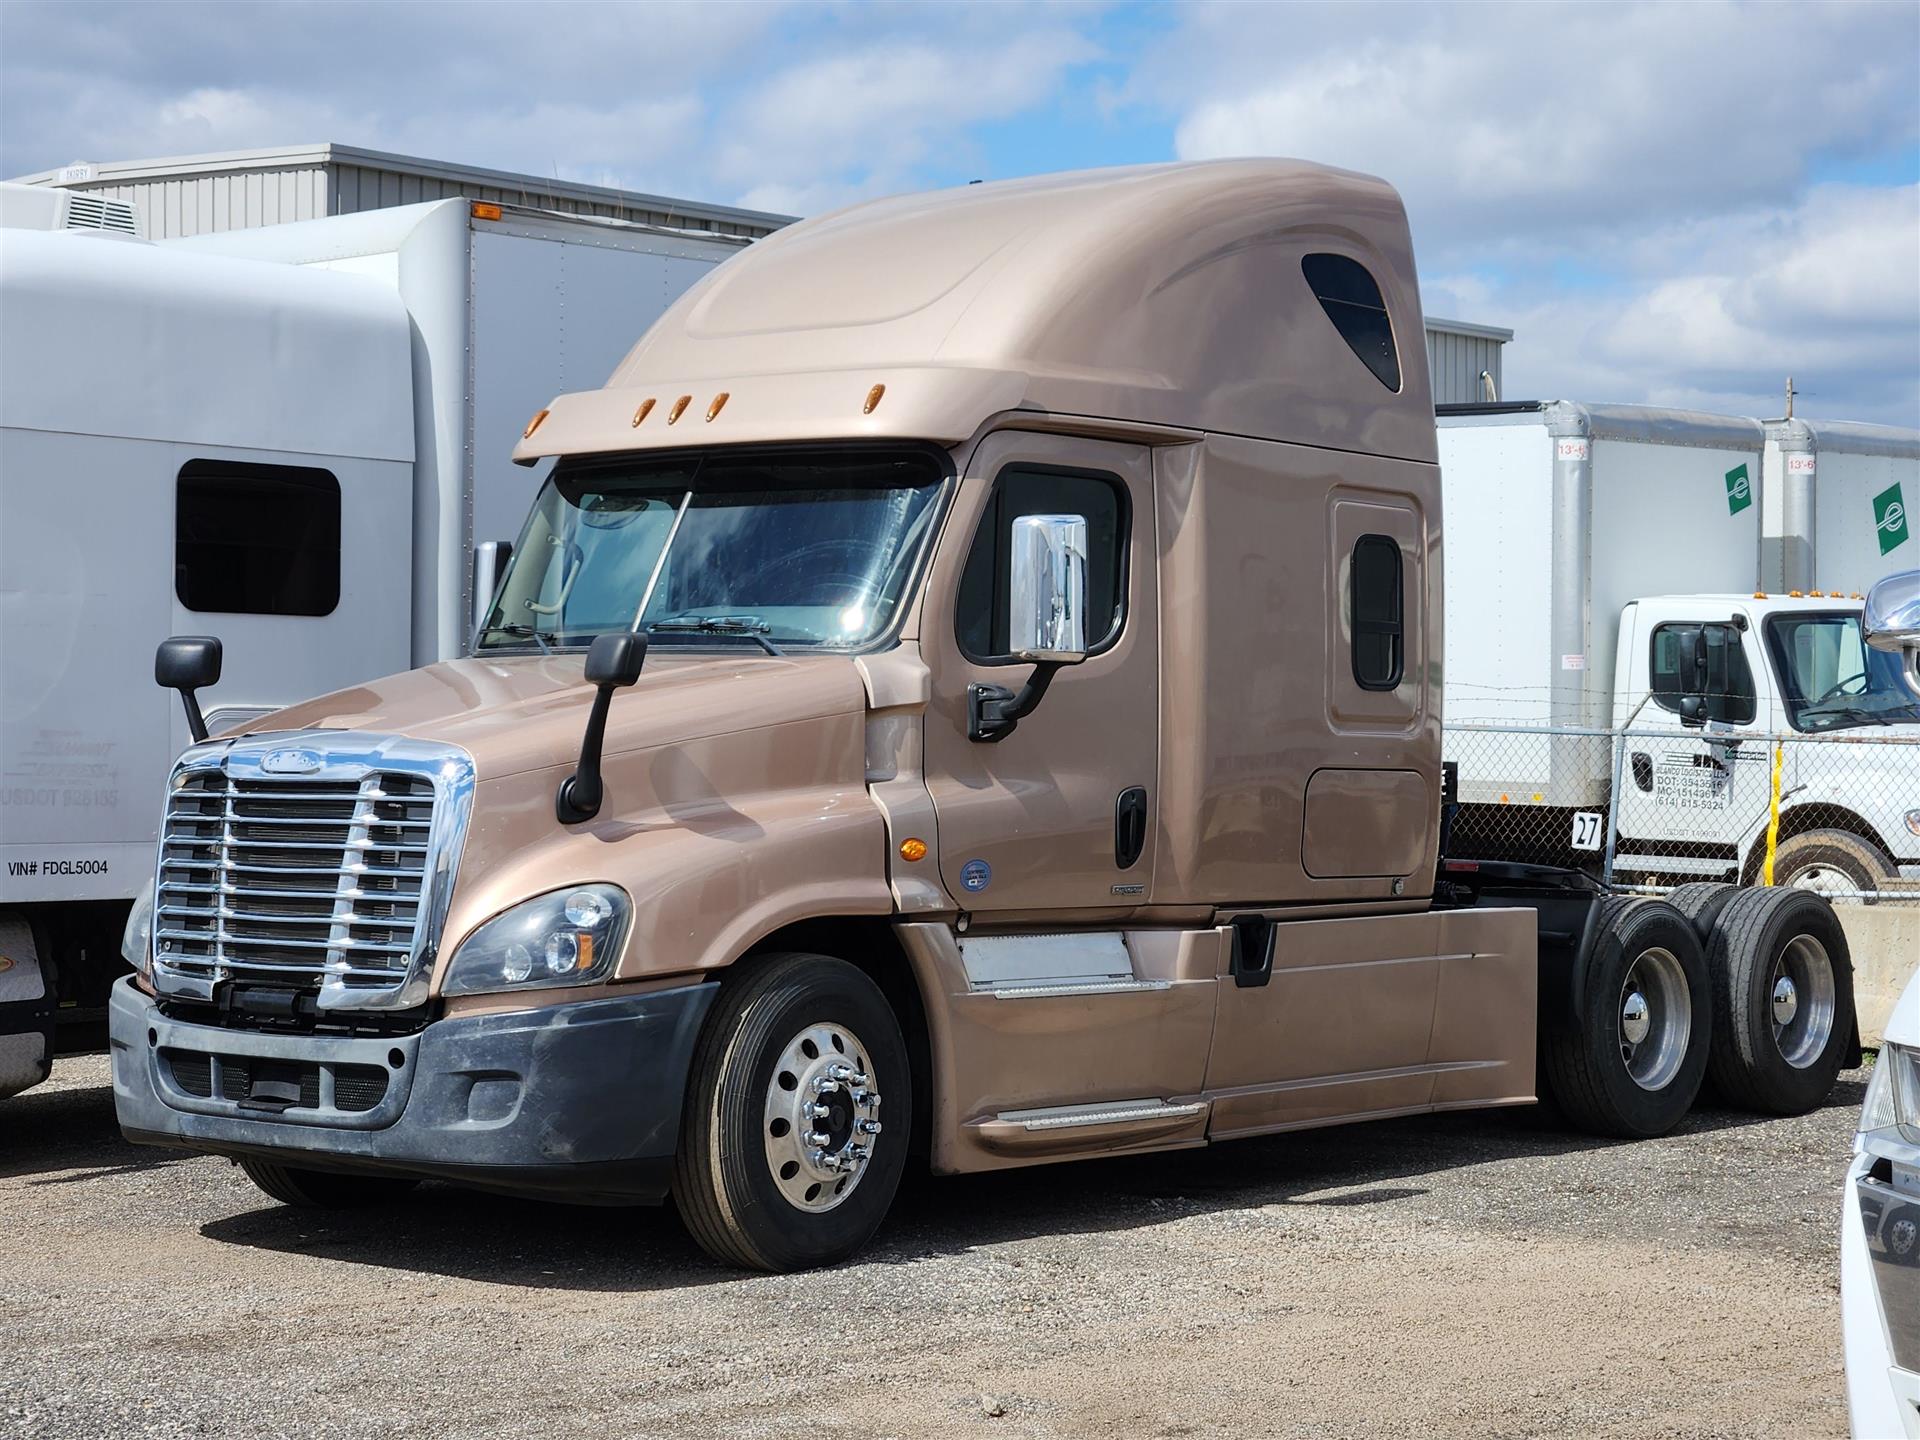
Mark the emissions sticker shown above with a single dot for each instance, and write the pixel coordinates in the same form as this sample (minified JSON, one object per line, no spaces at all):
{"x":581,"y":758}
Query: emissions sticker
{"x":975,"y":876}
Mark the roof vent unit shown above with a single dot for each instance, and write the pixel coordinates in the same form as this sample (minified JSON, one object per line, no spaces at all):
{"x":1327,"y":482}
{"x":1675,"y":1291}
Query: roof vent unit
{"x":86,"y":211}
{"x":48,"y":207}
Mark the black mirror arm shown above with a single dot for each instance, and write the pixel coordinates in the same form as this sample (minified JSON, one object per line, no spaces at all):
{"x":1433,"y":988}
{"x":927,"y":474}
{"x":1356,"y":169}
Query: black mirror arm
{"x":993,"y":710}
{"x":580,"y":793}
{"x":196,"y":722}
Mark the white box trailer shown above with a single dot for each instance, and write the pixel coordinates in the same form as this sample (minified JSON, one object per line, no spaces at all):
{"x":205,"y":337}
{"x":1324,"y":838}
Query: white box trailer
{"x":290,"y":437}
{"x":1559,"y":515}
{"x":1835,"y":505}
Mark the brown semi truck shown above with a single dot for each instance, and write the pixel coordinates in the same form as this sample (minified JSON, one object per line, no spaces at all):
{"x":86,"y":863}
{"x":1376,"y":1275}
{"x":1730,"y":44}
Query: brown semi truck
{"x":968,"y":693}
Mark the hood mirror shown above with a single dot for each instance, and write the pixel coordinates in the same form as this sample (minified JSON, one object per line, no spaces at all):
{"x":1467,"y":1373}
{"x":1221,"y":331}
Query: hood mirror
{"x":188,"y":663}
{"x":613,"y":663}
{"x":1891,"y":621}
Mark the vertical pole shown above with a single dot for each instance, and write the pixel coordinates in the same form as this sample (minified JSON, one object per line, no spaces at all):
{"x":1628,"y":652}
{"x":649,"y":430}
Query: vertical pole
{"x":1613,"y":803}
{"x":1773,"y":812}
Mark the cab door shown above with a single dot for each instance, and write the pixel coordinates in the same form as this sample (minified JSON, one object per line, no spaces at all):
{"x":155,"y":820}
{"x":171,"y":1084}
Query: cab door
{"x":1058,"y":815}
{"x":1689,"y":793}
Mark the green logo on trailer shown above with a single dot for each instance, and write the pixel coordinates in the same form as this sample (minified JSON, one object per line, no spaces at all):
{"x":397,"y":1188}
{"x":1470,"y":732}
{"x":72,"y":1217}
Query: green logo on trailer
{"x":1739,"y":490}
{"x":1890,"y":518}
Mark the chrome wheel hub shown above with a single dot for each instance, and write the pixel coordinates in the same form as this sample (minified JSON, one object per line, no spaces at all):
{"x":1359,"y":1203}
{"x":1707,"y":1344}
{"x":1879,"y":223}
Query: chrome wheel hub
{"x":1786,"y":1000}
{"x":822,"y":1117}
{"x":1802,"y":1001}
{"x":1656,"y":1019}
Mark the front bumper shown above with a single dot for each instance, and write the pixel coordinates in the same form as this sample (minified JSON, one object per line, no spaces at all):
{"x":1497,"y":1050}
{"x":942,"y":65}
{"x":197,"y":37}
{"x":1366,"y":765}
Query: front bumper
{"x":1880,"y":1303}
{"x":578,"y":1102}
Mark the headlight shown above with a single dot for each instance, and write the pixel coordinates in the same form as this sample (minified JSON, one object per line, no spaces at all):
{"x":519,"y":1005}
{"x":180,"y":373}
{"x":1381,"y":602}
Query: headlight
{"x":136,"y":941}
{"x":1893,"y":1096}
{"x":1912,"y":817}
{"x":567,"y":937}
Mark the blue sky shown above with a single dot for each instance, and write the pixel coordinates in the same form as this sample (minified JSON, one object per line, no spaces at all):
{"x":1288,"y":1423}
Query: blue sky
{"x":1679,"y":204}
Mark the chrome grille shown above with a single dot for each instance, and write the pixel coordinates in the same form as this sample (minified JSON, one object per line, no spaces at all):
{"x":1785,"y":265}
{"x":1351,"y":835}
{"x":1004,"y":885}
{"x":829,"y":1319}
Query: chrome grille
{"x":332,"y":882}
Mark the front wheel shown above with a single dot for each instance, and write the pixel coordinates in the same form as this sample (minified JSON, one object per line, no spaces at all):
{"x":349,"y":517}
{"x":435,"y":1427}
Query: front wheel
{"x":1630,"y":1061}
{"x":1834,"y":863}
{"x":784,"y":1162}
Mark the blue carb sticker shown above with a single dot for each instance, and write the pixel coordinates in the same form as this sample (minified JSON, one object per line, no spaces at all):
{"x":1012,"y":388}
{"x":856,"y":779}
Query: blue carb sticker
{"x":975,"y":876}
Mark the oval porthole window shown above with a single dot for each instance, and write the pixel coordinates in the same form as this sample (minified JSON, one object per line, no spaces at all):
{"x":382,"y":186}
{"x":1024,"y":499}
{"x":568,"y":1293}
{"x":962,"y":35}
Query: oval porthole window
{"x":1351,"y":297}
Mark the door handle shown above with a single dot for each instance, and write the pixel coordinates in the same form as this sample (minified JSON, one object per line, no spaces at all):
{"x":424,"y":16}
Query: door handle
{"x":1129,"y":826}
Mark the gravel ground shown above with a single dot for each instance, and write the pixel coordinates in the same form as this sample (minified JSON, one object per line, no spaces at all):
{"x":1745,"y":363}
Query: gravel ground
{"x":1469,"y":1275}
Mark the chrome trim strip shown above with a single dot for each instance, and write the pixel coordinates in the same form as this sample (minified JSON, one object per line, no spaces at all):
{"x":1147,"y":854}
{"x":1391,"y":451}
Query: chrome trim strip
{"x":1075,"y":1117}
{"x":1091,"y":987}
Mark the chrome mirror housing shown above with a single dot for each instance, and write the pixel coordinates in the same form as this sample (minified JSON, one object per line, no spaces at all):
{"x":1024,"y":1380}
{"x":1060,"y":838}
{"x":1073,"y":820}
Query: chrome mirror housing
{"x":1891,"y":621}
{"x":1047,"y":589}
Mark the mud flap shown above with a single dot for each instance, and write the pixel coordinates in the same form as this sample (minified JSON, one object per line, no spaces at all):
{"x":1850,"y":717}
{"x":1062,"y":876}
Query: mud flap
{"x":27,"y":1004}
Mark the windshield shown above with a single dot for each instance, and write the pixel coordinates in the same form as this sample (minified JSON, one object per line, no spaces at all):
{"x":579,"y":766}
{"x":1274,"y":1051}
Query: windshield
{"x":1831,"y":679}
{"x":722,"y":549}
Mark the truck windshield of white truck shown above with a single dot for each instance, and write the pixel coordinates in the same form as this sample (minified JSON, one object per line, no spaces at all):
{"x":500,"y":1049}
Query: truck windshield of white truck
{"x":1831,"y":679}
{"x":812,"y":550}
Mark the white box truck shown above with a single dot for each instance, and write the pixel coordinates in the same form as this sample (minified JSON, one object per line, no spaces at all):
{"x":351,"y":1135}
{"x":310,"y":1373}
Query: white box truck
{"x":1570,"y":525}
{"x":203,"y":436}
{"x":1834,"y":504}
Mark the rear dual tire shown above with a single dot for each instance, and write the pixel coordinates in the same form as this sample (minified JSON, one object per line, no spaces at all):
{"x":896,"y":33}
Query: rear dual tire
{"x":1630,"y":1058}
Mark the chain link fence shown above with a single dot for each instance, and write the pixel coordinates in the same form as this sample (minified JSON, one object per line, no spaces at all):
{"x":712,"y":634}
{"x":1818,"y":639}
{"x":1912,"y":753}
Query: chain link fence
{"x":1650,"y":808}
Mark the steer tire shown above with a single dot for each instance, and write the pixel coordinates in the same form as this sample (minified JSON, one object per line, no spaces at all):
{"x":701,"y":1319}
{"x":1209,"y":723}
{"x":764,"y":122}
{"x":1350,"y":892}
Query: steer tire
{"x":1758,"y":1062}
{"x":324,"y":1189}
{"x":1598,"y":1073}
{"x":1701,"y":902}
{"x":1852,"y":862}
{"x":744,"y":1193}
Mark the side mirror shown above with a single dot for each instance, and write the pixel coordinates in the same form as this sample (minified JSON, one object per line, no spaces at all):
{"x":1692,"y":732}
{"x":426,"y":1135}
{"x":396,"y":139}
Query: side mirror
{"x":1046,"y":619}
{"x":613,"y":663}
{"x":188,"y":663}
{"x":1890,"y":621}
{"x":490,"y":559}
{"x":1047,"y":589}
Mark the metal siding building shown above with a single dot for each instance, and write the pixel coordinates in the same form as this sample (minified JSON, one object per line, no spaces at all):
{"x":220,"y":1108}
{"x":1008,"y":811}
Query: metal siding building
{"x":1456,"y":354}
{"x":242,"y":189}
{"x":205,"y":194}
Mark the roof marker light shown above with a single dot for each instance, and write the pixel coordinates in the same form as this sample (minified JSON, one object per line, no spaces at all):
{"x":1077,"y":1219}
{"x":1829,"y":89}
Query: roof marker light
{"x":719,"y":402}
{"x":484,"y":211}
{"x":873,"y":399}
{"x":534,"y":424}
{"x":1759,"y":594}
{"x":644,"y":409}
{"x":1795,"y":595}
{"x":679,"y":408}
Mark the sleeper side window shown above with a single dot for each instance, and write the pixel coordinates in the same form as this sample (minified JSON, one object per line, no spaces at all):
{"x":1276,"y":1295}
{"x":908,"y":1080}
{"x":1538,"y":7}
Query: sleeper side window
{"x":1709,"y":660}
{"x":1378,"y":620}
{"x":256,"y":539}
{"x":981,"y":607}
{"x":1351,"y":297}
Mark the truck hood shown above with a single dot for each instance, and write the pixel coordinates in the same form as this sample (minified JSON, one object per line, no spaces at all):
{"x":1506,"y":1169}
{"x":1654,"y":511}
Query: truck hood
{"x":518,"y":713}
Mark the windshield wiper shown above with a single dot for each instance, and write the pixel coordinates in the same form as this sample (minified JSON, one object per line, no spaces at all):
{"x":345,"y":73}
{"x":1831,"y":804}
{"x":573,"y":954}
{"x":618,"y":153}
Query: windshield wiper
{"x":745,"y":628}
{"x":524,"y":632}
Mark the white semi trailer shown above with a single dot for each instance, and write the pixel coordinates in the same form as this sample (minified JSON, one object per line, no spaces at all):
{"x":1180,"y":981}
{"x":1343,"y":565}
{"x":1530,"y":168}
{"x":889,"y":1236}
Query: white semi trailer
{"x":1570,"y":526}
{"x":293,"y":437}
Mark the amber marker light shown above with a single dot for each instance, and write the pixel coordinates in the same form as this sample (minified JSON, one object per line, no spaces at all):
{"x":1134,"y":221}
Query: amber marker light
{"x":644,"y":409}
{"x":534,"y":424}
{"x":719,"y":404}
{"x":483,"y":211}
{"x":679,"y":408}
{"x":913,"y":849}
{"x":873,"y":399}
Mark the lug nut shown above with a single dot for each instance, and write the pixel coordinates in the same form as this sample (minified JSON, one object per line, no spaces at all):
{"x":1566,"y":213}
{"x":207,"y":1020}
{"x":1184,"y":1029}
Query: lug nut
{"x":869,"y":1127}
{"x":819,"y":1138}
{"x":819,"y":1112}
{"x":859,"y":1077}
